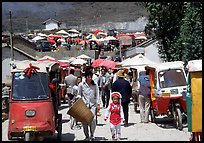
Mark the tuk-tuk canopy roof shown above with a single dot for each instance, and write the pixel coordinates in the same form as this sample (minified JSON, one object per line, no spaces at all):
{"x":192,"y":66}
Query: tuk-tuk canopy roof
{"x":167,"y":65}
{"x":44,"y":66}
{"x":194,"y":65}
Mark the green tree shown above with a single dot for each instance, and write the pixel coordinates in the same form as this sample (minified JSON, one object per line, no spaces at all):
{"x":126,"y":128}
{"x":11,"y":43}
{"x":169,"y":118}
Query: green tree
{"x":178,"y":28}
{"x":190,"y":39}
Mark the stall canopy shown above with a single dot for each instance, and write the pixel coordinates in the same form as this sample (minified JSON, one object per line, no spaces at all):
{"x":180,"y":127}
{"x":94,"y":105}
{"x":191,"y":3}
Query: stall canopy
{"x":51,"y":59}
{"x":138,"y":61}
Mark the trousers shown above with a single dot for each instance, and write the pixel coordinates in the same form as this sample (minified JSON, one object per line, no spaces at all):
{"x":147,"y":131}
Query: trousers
{"x":115,"y":131}
{"x":144,"y":104}
{"x":125,"y":106}
{"x":105,"y":96}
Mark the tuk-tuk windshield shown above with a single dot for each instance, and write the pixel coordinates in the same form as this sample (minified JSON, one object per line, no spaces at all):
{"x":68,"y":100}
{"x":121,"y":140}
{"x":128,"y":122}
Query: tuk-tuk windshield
{"x":33,"y":88}
{"x":171,"y":78}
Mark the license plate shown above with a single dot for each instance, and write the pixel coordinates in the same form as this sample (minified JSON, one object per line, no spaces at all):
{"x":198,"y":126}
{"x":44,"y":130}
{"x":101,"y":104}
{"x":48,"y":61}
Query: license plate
{"x":29,"y":128}
{"x":165,"y":94}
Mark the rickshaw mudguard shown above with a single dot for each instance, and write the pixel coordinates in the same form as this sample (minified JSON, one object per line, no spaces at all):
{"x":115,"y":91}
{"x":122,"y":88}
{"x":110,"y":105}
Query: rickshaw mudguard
{"x":44,"y":119}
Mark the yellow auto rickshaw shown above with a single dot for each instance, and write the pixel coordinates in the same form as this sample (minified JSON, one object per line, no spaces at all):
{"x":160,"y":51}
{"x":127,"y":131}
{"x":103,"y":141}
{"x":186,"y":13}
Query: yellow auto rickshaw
{"x":194,"y":99}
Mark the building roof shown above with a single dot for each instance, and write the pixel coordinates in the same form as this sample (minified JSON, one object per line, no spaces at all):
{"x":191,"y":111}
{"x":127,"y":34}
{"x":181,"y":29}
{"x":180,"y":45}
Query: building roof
{"x":50,"y":19}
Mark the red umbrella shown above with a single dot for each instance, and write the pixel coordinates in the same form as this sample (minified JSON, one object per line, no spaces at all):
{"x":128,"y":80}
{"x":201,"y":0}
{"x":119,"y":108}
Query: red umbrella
{"x":96,"y":62}
{"x":52,"y":36}
{"x":108,"y":64}
{"x":51,"y":41}
{"x":77,"y":40}
{"x":96,"y":32}
{"x":76,"y":69}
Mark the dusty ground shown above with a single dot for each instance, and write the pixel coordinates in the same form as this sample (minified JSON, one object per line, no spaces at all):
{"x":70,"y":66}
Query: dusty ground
{"x":162,"y":131}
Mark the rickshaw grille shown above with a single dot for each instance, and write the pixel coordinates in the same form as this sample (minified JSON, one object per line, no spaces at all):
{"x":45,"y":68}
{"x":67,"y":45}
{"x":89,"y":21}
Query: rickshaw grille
{"x":174,"y":91}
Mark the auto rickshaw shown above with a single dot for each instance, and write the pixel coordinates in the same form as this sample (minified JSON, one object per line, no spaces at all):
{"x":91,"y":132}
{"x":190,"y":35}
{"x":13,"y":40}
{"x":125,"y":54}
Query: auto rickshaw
{"x":168,"y":83}
{"x":194,"y":99}
{"x":33,"y":107}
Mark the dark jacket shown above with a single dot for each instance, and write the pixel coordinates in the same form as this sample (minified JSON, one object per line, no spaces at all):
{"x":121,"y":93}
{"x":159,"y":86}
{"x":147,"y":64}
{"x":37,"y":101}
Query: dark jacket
{"x":123,"y":86}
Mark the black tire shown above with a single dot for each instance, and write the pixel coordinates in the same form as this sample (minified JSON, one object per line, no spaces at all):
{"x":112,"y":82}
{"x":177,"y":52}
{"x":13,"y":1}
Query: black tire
{"x":59,"y":129}
{"x":27,"y":136}
{"x":153,"y":119}
{"x":178,"y":119}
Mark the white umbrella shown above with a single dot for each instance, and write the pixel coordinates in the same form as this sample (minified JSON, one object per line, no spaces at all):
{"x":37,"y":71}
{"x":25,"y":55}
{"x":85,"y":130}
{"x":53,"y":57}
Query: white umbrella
{"x":73,"y":31}
{"x":37,"y":38}
{"x":110,"y":38}
{"x":83,"y":56}
{"x":63,"y":32}
{"x":141,"y":38}
{"x":42,"y":34}
{"x":101,"y":33}
{"x":71,"y":59}
{"x":78,"y":62}
{"x":47,"y":57}
{"x":74,"y":35}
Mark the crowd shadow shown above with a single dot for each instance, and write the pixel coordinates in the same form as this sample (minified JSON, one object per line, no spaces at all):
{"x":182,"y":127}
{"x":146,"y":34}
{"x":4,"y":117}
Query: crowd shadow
{"x":129,"y":124}
{"x":68,"y":137}
{"x":63,"y":107}
{"x":65,"y":120}
{"x":168,"y":123}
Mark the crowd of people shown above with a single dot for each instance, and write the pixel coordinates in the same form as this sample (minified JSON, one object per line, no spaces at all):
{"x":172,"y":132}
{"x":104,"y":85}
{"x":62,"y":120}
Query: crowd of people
{"x":111,"y":91}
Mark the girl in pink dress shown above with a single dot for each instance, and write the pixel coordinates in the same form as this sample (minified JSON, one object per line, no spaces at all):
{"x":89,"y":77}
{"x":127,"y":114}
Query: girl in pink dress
{"x":116,"y":115}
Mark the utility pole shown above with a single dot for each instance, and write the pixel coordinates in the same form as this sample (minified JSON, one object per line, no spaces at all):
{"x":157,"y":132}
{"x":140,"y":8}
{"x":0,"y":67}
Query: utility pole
{"x":11,"y":36}
{"x":26,"y":25}
{"x":81,"y":26}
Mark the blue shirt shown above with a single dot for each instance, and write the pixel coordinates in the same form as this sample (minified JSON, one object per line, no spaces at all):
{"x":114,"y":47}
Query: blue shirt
{"x":144,"y":85}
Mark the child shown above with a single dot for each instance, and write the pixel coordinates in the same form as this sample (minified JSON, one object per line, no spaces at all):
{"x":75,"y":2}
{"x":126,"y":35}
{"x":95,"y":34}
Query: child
{"x":116,"y":115}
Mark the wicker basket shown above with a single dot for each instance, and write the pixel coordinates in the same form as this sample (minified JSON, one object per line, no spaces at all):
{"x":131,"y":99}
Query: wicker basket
{"x":81,"y":112}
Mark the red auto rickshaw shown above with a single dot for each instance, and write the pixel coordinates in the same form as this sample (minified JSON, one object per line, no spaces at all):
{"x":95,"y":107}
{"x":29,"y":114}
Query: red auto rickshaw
{"x":33,"y":107}
{"x":168,"y":83}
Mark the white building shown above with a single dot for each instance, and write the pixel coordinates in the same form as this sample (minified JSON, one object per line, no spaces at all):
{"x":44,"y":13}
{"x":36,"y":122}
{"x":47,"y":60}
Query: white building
{"x":51,"y":24}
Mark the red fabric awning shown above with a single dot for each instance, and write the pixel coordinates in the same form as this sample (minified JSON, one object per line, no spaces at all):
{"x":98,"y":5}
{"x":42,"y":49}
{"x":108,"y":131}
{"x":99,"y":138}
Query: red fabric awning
{"x":62,"y":64}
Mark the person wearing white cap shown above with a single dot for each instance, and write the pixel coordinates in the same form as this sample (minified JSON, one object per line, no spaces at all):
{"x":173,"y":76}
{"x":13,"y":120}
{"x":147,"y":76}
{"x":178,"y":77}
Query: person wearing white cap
{"x":116,"y":115}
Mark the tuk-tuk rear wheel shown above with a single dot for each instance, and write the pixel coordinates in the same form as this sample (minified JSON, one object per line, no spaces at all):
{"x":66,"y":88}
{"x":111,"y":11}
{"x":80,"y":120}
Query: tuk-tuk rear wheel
{"x":153,"y":119}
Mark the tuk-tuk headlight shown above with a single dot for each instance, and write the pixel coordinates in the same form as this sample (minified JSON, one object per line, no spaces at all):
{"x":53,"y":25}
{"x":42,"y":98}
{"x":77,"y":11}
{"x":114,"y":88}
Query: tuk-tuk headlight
{"x":30,"y":113}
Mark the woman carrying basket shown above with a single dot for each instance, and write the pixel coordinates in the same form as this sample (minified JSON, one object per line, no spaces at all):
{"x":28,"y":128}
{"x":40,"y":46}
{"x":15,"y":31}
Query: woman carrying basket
{"x":89,"y":92}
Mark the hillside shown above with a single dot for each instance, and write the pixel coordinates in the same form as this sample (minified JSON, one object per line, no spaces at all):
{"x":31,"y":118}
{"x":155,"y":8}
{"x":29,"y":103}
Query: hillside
{"x":72,"y":13}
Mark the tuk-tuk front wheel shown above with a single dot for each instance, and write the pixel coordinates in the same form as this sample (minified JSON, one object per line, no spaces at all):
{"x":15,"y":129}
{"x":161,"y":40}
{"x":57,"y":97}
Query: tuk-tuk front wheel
{"x":178,"y":118}
{"x":27,"y":136}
